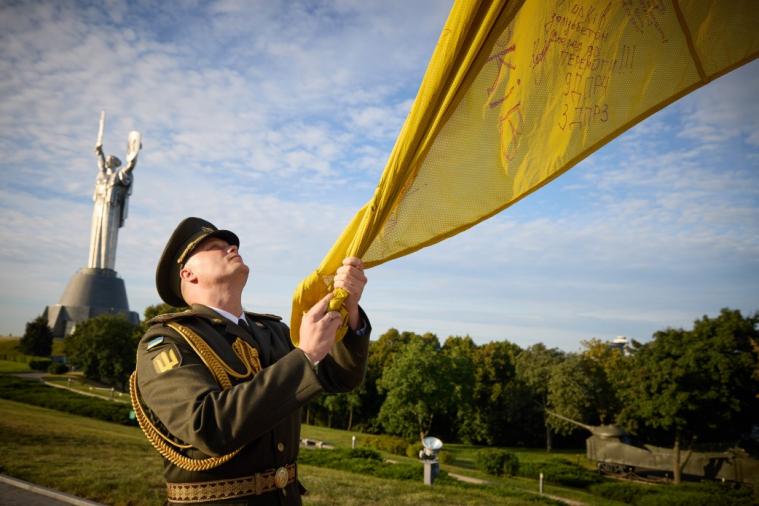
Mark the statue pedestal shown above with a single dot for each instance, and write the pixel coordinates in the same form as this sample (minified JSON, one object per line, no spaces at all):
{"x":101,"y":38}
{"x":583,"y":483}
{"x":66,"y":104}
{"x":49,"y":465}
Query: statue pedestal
{"x":91,"y":292}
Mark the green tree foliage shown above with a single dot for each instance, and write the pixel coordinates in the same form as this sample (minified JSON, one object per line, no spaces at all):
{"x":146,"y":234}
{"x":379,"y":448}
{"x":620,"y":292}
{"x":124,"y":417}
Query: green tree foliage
{"x":698,"y":383}
{"x":501,"y":404}
{"x":104,"y":348}
{"x":463,"y":422}
{"x":534,"y":367}
{"x":418,"y":385}
{"x":37,"y":339}
{"x":382,"y":352}
{"x":579,"y":389}
{"x":153,"y":311}
{"x":702,"y":382}
{"x":615,"y":364}
{"x":159,"y":309}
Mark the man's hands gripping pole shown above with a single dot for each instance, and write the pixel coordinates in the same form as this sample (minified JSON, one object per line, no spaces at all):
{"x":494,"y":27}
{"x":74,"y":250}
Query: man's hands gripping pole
{"x":319,"y":327}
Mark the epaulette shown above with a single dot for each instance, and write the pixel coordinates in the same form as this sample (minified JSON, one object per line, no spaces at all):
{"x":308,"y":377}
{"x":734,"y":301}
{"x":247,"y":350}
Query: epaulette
{"x":265,"y":316}
{"x":187,"y":313}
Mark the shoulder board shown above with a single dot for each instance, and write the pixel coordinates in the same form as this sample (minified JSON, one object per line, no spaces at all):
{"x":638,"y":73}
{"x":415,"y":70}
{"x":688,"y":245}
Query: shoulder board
{"x":263,"y":316}
{"x":188,"y":313}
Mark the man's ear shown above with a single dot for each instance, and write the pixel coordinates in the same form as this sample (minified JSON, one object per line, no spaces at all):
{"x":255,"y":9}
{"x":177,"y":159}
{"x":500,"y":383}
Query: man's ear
{"x":187,"y":275}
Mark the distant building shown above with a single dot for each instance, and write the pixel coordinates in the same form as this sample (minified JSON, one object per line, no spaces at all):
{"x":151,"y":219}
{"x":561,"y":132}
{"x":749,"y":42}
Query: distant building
{"x":621,"y":343}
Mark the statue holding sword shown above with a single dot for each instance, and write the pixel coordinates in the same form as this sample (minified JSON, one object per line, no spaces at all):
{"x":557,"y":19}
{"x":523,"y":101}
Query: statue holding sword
{"x":112,"y":189}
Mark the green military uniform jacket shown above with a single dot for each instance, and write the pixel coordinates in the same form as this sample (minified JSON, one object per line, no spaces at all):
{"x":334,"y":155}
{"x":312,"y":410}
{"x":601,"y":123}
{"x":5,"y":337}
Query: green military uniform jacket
{"x":259,"y":414}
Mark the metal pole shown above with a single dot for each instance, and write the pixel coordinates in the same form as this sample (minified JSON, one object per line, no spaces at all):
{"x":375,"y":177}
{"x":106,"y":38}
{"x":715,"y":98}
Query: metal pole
{"x":541,"y":483}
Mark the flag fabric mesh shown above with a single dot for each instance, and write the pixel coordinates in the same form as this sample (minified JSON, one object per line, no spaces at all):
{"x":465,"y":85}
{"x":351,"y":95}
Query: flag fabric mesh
{"x":518,"y":92}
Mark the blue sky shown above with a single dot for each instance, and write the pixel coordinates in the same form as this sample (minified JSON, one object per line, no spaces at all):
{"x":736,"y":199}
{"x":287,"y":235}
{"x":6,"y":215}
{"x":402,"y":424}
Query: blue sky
{"x":275,"y":119}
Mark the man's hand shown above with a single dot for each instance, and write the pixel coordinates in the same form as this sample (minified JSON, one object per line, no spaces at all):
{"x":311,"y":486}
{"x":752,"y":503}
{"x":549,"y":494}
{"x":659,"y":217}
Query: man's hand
{"x":350,"y":277}
{"x":317,"y":330}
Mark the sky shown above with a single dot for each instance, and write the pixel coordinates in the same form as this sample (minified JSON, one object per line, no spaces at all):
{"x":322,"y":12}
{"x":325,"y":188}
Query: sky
{"x":275,"y":119}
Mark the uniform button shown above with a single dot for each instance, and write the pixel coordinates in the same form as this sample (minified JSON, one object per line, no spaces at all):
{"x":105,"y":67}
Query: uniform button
{"x":281,"y":446}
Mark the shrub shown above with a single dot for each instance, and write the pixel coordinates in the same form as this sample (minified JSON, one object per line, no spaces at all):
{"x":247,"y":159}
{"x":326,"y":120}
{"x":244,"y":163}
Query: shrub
{"x":562,"y":472}
{"x":364,"y":453}
{"x":412,"y":451}
{"x":390,"y":444}
{"x":688,"y":494}
{"x":627,"y":493}
{"x":58,"y":368}
{"x":40,"y":364}
{"x":497,"y":462}
{"x":364,"y":461}
{"x":445,"y":457}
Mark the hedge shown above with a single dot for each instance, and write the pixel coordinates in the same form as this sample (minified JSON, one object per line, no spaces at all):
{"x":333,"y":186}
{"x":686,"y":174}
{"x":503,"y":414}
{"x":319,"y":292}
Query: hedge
{"x":562,"y":472}
{"x":390,"y":444}
{"x":39,"y":394}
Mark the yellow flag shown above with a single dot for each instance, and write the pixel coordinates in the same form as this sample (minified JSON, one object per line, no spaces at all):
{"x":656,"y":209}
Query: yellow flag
{"x":518,"y":92}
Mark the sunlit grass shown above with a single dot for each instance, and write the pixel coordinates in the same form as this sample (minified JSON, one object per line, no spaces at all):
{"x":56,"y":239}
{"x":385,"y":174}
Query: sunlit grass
{"x":10,"y":366}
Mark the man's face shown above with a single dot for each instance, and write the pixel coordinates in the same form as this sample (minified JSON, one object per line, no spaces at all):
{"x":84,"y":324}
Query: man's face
{"x":214,"y":261}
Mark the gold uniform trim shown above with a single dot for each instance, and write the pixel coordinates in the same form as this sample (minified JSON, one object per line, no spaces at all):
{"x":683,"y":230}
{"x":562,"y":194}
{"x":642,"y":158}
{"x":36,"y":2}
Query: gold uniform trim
{"x":221,"y":371}
{"x":258,"y":484}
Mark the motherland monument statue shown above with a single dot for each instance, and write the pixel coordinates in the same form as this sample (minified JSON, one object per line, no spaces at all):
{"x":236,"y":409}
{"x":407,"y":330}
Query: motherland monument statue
{"x":96,"y":289}
{"x":111,"y":197}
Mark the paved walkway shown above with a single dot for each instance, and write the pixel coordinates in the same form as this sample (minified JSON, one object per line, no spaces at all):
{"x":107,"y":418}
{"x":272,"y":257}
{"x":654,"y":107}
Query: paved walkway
{"x":15,"y":492}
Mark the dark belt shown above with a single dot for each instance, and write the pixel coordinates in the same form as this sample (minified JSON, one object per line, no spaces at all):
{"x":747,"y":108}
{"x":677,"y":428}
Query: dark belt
{"x":259,"y":483}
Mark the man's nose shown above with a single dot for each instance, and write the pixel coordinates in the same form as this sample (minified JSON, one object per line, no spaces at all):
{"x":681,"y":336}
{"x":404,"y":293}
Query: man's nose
{"x":232,"y":249}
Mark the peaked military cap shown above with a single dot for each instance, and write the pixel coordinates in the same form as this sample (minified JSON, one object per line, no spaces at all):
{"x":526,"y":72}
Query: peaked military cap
{"x":186,"y":237}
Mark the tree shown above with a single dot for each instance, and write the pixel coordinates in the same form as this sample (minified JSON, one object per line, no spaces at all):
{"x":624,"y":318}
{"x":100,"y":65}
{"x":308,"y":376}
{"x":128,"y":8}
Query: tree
{"x":615,"y":364}
{"x":695,"y":384}
{"x":418,"y":387}
{"x":463,"y":422}
{"x":382,"y":352}
{"x":153,"y":311}
{"x":534,"y":367}
{"x":38,"y":338}
{"x":334,"y":404}
{"x":159,"y":309}
{"x":104,"y":348}
{"x":501,"y":404}
{"x":579,"y":389}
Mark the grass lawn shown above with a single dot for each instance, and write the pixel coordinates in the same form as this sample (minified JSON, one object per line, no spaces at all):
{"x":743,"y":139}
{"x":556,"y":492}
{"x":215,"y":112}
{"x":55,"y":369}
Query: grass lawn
{"x":10,"y":366}
{"x":102,"y":461}
{"x":9,"y":348}
{"x":115,"y":464}
{"x":463,"y":457}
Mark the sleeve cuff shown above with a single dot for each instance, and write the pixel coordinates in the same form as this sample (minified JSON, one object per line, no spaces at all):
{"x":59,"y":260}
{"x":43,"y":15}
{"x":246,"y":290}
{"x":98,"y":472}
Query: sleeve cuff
{"x":361,"y":332}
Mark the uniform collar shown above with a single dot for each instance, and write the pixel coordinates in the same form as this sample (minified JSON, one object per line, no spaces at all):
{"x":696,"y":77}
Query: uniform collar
{"x":229,"y":316}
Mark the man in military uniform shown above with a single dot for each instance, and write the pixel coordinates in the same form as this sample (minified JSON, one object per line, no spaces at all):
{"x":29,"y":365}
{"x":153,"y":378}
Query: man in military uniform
{"x":218,"y":391}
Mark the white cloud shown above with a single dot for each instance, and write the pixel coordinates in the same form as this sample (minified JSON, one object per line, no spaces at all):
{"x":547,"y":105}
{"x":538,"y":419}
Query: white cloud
{"x":729,"y":109}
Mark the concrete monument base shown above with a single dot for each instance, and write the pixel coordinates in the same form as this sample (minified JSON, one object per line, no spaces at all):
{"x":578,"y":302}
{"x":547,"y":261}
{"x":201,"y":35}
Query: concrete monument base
{"x":91,"y":292}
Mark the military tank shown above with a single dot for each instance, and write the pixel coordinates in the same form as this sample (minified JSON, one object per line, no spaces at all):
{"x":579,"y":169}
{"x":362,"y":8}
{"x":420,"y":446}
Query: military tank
{"x":615,"y":452}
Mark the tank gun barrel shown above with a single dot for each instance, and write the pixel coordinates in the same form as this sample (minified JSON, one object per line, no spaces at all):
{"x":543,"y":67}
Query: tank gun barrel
{"x":589,"y":428}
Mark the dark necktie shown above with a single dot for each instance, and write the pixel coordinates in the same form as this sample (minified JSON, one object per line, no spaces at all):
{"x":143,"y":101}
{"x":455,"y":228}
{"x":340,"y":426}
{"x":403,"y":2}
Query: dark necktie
{"x":242,"y":322}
